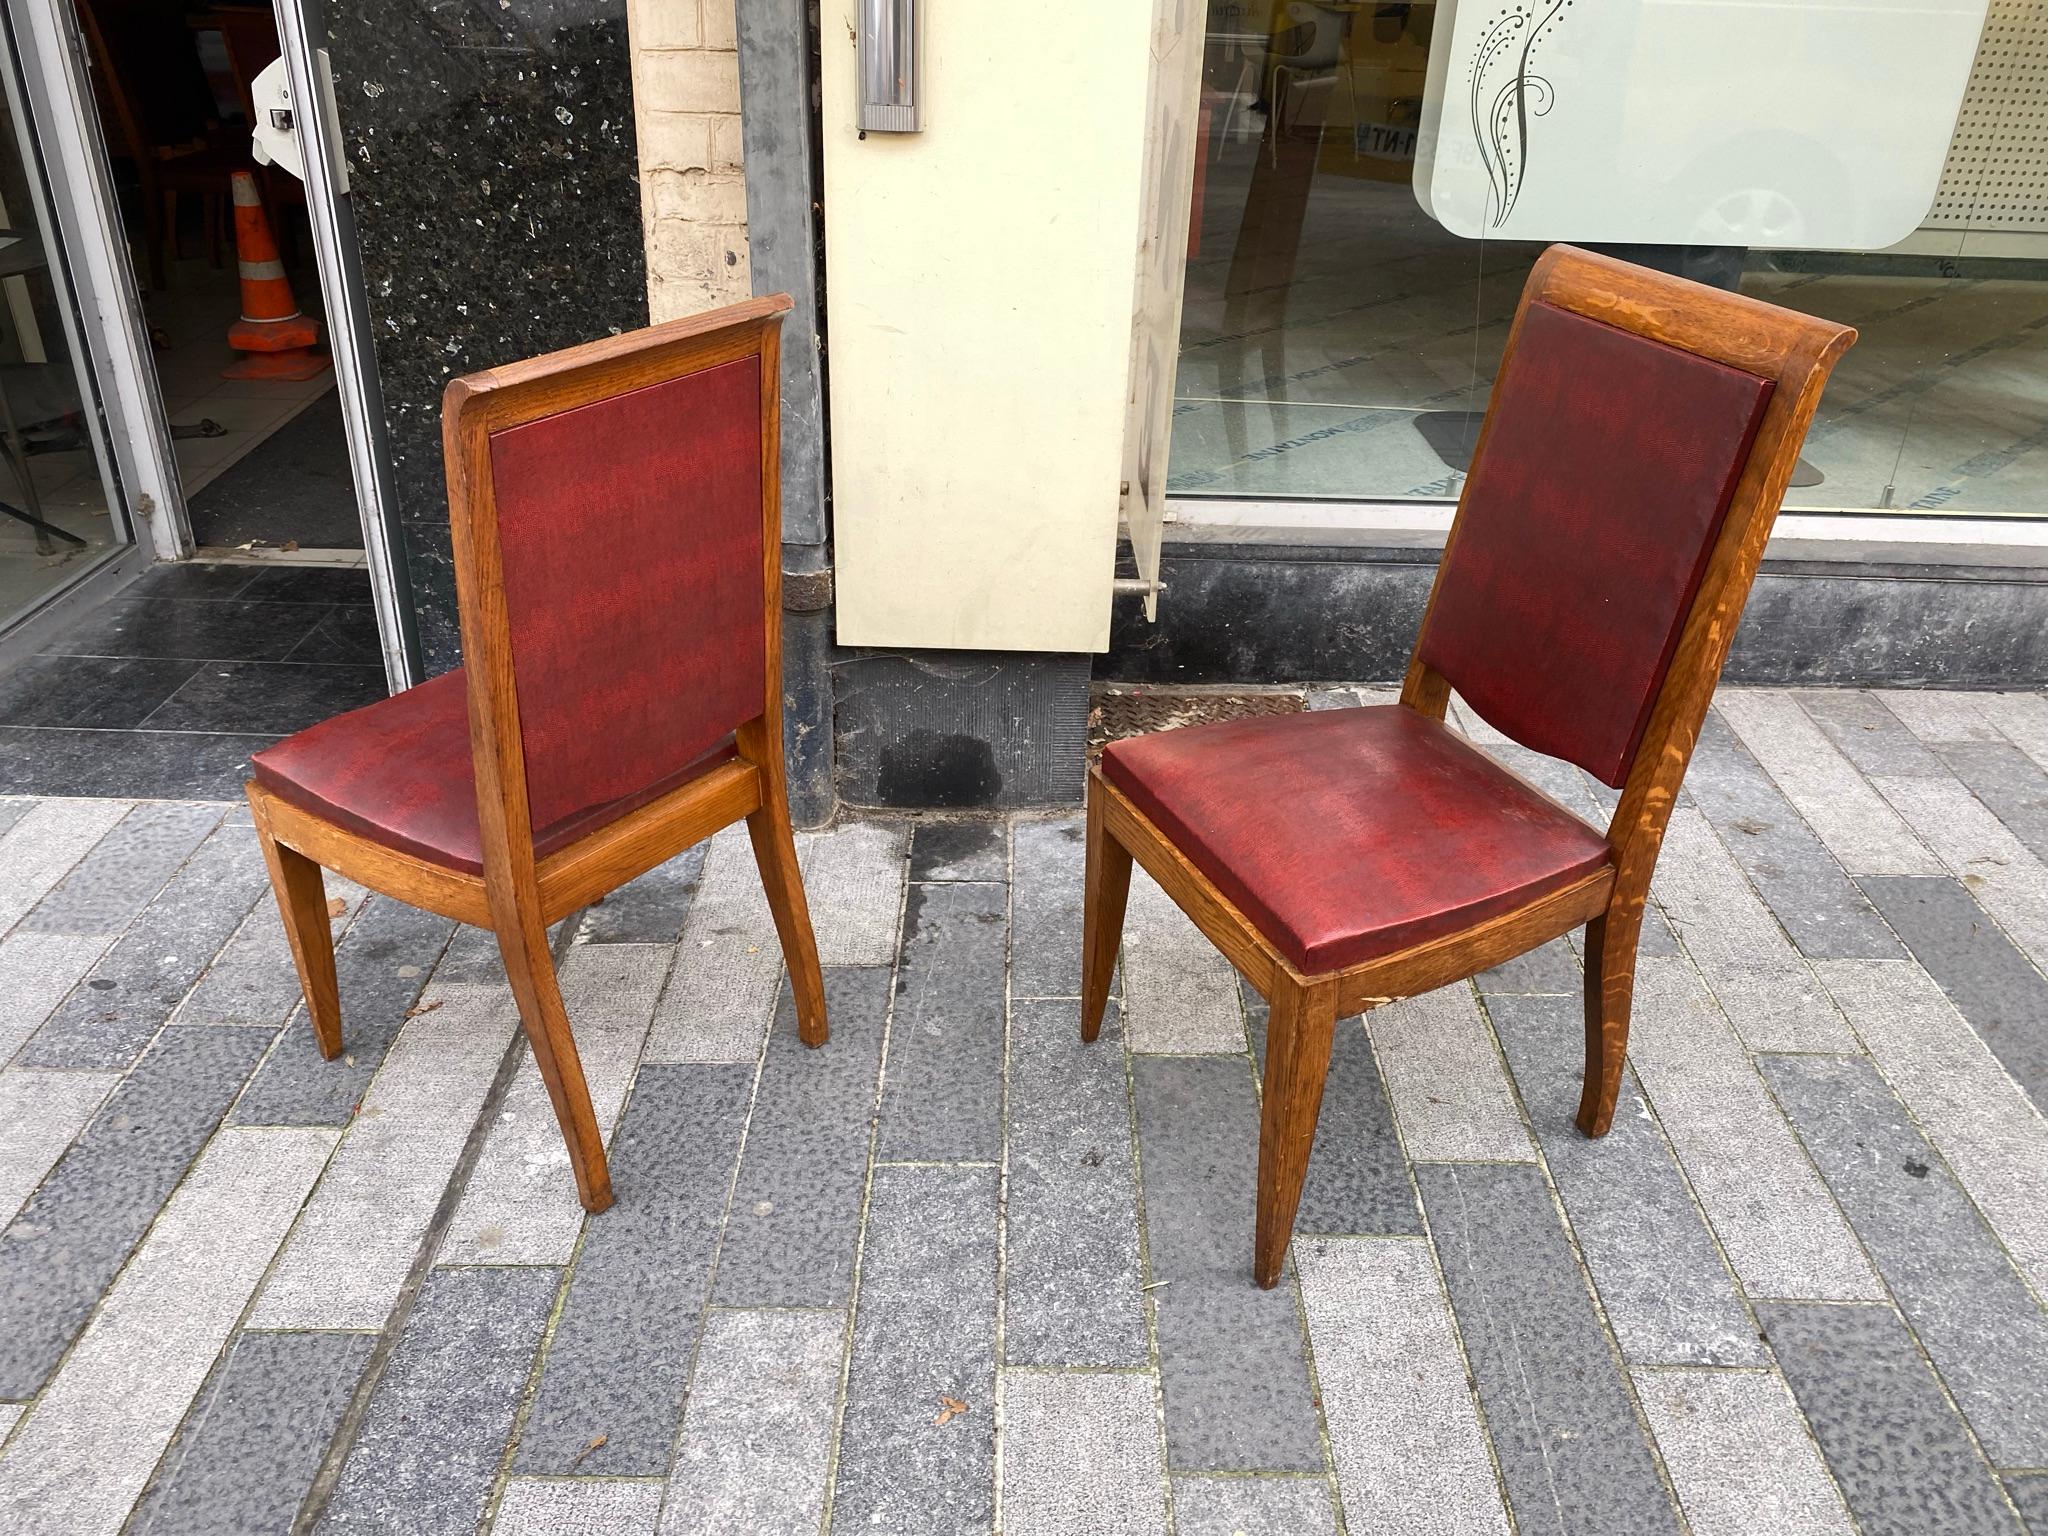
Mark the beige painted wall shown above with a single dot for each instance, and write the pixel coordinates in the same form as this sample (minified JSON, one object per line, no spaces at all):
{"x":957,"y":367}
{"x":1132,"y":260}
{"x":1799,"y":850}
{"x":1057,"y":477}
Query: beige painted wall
{"x":693,"y":196}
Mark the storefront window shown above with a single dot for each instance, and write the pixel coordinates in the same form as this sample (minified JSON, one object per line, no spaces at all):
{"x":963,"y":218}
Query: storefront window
{"x":1376,"y":180}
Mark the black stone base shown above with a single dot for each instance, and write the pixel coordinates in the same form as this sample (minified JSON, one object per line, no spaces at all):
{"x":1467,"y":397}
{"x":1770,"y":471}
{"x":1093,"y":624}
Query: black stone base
{"x":986,"y":730}
{"x":1282,"y":614}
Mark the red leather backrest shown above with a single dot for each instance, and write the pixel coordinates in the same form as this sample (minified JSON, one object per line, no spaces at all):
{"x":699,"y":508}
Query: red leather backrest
{"x":1605,"y":474}
{"x":630,"y":532}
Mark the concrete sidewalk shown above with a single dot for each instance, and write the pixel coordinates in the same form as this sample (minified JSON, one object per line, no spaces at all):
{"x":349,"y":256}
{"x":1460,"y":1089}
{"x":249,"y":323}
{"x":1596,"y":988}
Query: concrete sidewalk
{"x":957,"y":1273}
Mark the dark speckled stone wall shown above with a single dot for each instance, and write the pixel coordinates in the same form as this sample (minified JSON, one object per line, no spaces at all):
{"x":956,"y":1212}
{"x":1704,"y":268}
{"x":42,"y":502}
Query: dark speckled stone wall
{"x":492,"y":165}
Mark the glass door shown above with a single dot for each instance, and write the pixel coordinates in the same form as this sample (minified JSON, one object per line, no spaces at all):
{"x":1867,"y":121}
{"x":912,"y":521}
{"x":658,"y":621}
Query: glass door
{"x":61,"y":512}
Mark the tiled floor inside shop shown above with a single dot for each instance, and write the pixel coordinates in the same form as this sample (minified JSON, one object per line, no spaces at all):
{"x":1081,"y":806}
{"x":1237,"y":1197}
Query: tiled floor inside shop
{"x":955,"y":1272}
{"x":1305,"y":373}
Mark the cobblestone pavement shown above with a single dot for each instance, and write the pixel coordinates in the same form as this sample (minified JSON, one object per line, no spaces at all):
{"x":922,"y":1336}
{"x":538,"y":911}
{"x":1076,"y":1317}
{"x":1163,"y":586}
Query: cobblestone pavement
{"x":956,"y":1272}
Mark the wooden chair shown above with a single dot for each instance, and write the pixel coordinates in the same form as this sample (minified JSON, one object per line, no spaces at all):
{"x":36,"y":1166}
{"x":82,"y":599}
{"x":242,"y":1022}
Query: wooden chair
{"x":1631,"y":463}
{"x":617,"y":530}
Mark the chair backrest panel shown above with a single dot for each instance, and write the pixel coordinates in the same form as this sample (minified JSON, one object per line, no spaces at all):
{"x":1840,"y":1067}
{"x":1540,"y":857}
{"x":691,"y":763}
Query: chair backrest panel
{"x":1596,"y":498}
{"x":631,"y":533}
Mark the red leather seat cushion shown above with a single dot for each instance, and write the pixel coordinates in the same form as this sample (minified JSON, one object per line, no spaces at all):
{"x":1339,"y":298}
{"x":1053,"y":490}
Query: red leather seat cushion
{"x":398,"y":772}
{"x":1348,"y":834}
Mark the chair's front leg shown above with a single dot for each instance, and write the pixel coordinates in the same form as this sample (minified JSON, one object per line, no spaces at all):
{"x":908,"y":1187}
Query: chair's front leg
{"x":301,"y":893}
{"x":768,"y":828}
{"x":1300,"y":1026}
{"x":530,"y":968}
{"x":1106,"y":887}
{"x":1610,"y":991}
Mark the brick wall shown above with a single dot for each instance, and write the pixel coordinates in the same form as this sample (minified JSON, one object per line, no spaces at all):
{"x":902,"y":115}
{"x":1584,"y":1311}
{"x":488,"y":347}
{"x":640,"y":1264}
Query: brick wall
{"x":693,"y":198}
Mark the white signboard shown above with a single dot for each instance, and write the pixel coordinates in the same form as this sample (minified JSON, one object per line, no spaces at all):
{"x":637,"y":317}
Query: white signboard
{"x":1806,"y":123}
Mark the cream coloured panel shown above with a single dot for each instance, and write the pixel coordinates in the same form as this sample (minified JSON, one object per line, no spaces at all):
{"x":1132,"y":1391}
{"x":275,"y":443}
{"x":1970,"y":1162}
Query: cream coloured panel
{"x":979,"y":280}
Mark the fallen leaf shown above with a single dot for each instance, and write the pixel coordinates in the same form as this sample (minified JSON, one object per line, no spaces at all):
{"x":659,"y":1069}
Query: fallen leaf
{"x":336,"y":907}
{"x":416,"y":1011}
{"x":951,"y":1410}
{"x":596,"y":1443}
{"x":289,"y":545}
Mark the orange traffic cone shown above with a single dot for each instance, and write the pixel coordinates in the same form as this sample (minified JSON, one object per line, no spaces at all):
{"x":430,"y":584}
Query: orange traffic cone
{"x":278,"y":339}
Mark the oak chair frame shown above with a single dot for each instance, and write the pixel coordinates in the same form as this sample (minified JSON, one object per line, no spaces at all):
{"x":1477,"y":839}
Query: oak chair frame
{"x":518,"y":895}
{"x":1796,"y":352}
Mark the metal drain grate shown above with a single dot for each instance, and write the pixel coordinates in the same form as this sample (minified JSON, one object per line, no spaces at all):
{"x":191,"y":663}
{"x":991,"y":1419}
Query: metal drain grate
{"x":1117,"y":710}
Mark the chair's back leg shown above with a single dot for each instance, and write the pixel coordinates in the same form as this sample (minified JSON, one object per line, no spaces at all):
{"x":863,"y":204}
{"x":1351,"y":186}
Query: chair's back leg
{"x":1301,"y":1025}
{"x":530,"y":968}
{"x":1106,"y":887}
{"x":775,"y":853}
{"x":301,"y":894}
{"x":1610,"y":991}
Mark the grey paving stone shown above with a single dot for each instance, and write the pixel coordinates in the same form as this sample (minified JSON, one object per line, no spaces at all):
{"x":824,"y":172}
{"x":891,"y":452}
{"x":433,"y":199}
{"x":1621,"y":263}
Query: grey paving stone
{"x":519,"y":1205}
{"x":134,"y":986}
{"x":1667,"y":1292}
{"x":1983,"y":853}
{"x":1198,"y":1140}
{"x":1444,"y":1075}
{"x":1408,"y":1444}
{"x":429,"y":1446}
{"x":942,"y":1094}
{"x":40,"y":1113}
{"x":1991,"y":1134}
{"x":247,"y":1455}
{"x":1897,"y":1449}
{"x":853,"y":880}
{"x":721,"y":992}
{"x":1253,"y":1506}
{"x":960,"y":850}
{"x":1939,"y":716}
{"x":2021,"y":718}
{"x":1047,"y":861}
{"x":1073,"y":1283}
{"x":649,"y":909}
{"x":756,"y":1446}
{"x":1986,"y":1335}
{"x":1739,"y":1455}
{"x":84,"y":1455}
{"x":795,"y":1219}
{"x":924,"y":1331}
{"x":1825,"y":786}
{"x":472,"y":959}
{"x":1080,"y":1452}
{"x":1798,"y":878}
{"x":12,"y":809}
{"x":1761,"y":981}
{"x":253,"y":980}
{"x":1352,"y":697}
{"x":1357,"y":1179}
{"x":1180,"y":994}
{"x":2029,"y":1494}
{"x":36,"y":970}
{"x":1993,"y":986}
{"x":1550,"y":968}
{"x":620,"y":1354}
{"x":381,"y":964}
{"x":10,"y":1415}
{"x":78,"y":1228}
{"x":577,"y":1506}
{"x":1776,"y":1221}
{"x":1571,"y":1454}
{"x":124,"y":870}
{"x":2009,"y":782}
{"x":361,"y":1232}
{"x":1868,"y":734}
{"x":40,"y":849}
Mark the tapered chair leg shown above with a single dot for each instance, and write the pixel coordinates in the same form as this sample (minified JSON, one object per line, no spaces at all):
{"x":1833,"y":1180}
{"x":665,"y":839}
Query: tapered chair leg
{"x":1105,"y":889}
{"x":1301,"y":1024}
{"x":775,"y":853}
{"x":301,"y":893}
{"x":1610,"y":990}
{"x":530,"y":968}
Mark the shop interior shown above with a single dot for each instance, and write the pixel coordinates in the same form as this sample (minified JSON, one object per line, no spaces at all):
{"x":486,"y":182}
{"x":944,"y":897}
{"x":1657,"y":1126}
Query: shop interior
{"x":256,"y":428}
{"x":1338,"y":342}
